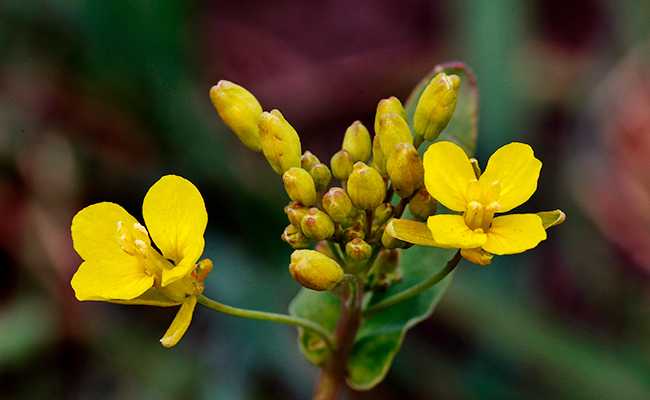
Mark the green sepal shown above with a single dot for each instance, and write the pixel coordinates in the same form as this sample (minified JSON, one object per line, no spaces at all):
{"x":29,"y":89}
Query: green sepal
{"x":463,"y":126}
{"x":551,"y":218}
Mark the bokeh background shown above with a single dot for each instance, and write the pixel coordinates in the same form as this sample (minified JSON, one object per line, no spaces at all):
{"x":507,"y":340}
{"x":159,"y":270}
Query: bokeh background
{"x":99,"y":99}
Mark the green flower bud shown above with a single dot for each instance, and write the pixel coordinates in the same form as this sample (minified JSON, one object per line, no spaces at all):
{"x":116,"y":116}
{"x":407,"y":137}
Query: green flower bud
{"x":387,"y":261}
{"x":378,"y":157}
{"x":341,"y":164}
{"x":382,"y":214}
{"x":358,"y":249}
{"x":389,"y":106}
{"x":390,"y":242}
{"x":321,"y":176}
{"x":357,"y":142}
{"x":353,"y":232}
{"x":405,"y":169}
{"x":385,"y":272}
{"x":314,"y":270}
{"x":337,"y":204}
{"x":317,"y":225}
{"x":436,"y":106}
{"x":280,"y":142}
{"x":393,"y":129}
{"x":366,"y":187}
{"x":308,"y":160}
{"x":355,"y":218}
{"x":296,"y":212}
{"x":295,"y":238}
{"x":299,"y":186}
{"x":240,"y":110}
{"x":422,"y":205}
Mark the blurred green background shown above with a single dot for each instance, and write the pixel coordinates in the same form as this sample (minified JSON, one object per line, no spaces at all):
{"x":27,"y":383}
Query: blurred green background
{"x":100,"y":99}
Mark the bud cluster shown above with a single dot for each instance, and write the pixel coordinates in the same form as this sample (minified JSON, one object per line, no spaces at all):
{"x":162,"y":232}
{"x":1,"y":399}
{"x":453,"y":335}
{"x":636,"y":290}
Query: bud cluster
{"x":352,"y":216}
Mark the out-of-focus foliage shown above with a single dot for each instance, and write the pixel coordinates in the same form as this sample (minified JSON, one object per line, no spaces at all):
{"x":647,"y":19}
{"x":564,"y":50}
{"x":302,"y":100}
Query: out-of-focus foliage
{"x":100,"y":99}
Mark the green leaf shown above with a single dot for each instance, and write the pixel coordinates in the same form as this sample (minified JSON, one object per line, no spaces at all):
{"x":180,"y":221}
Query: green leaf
{"x":463,"y":127}
{"x":381,"y":336}
{"x":321,"y":307}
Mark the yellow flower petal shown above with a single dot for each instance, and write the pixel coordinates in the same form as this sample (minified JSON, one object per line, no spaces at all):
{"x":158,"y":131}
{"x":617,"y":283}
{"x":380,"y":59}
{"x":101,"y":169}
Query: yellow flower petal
{"x":109,"y":272}
{"x":175,"y":215}
{"x":107,"y":280}
{"x":516,"y":169}
{"x":511,"y":234}
{"x":411,"y":232}
{"x":94,"y":232}
{"x":447,"y":171}
{"x":180,"y":323}
{"x":152,"y":297}
{"x":450,"y":231}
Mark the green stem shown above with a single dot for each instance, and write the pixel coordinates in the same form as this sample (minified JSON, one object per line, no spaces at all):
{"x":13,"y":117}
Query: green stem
{"x":414,"y":290}
{"x":338,"y":253}
{"x":267,"y":316}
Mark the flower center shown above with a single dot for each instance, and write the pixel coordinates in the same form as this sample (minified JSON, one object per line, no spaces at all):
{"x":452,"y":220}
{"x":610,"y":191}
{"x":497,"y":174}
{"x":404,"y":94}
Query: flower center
{"x":133,"y":240}
{"x":481,"y":206}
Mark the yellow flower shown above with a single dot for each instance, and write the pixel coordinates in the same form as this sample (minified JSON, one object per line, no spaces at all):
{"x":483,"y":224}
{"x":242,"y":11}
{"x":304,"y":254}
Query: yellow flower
{"x":121,"y":265}
{"x":508,"y":181}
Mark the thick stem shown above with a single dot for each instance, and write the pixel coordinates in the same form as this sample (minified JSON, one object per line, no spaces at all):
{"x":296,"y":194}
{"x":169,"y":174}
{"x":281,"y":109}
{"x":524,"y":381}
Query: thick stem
{"x":331,"y":383}
{"x":414,"y":290}
{"x":267,"y":316}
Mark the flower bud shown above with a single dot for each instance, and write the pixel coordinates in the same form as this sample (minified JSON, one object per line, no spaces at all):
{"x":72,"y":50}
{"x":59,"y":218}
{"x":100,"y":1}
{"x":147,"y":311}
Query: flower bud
{"x":295,"y":238}
{"x":317,"y":225}
{"x":240,"y":110}
{"x":358,"y":249}
{"x":299,"y":186}
{"x":341,"y":164}
{"x":422,"y":205}
{"x":357,"y":142}
{"x":378,"y":158}
{"x":382,"y":214}
{"x":321,"y":176}
{"x":353,"y":232}
{"x":389,"y":106}
{"x":390,"y":242}
{"x":280,"y":142}
{"x":405,"y":169}
{"x":355,"y":218}
{"x":366,"y":187}
{"x":314,"y":270}
{"x":436,"y":106}
{"x":393,"y":129}
{"x":337,"y":204}
{"x":387,"y":261}
{"x":308,"y":160}
{"x":296,"y":212}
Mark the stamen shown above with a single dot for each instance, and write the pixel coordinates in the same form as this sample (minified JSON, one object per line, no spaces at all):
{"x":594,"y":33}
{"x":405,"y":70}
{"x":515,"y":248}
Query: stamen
{"x":472,"y":215}
{"x":140,"y":228}
{"x":124,"y":244}
{"x":142,"y":246}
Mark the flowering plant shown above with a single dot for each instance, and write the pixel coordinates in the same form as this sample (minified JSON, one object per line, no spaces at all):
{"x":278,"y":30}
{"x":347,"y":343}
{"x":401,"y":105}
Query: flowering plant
{"x":363,"y":285}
